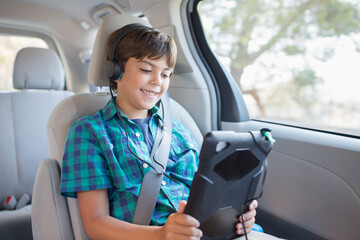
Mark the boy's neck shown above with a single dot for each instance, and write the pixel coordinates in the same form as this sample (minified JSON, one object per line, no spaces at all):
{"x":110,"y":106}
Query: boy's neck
{"x":139,"y":114}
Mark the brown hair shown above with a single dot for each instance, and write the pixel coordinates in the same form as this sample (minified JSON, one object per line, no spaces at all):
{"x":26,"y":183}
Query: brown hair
{"x":142,"y":42}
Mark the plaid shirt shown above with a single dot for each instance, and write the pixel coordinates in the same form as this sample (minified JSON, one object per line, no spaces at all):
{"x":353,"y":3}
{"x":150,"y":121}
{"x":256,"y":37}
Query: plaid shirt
{"x":96,"y":156}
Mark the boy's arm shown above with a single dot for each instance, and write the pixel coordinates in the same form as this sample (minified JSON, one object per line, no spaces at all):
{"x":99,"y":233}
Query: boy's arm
{"x":98,"y":224}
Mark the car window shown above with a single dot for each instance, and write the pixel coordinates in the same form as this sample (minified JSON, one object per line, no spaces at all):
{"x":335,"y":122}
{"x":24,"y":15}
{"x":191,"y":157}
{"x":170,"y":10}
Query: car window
{"x":296,"y":62}
{"x":9,"y":46}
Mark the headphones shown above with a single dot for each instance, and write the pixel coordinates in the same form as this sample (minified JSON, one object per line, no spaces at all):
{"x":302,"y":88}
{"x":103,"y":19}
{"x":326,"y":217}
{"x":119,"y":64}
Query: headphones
{"x":112,"y":68}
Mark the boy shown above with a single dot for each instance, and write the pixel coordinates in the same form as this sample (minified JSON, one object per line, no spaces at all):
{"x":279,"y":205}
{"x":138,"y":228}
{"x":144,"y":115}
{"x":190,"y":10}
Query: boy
{"x":106,"y":155}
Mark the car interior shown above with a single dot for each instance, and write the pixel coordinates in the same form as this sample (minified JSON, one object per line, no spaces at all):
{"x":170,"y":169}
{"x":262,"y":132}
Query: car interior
{"x":312,"y":185}
{"x":24,"y":117}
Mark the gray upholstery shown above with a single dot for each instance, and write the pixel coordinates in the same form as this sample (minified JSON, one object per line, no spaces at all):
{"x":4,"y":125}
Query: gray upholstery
{"x":23,"y":144}
{"x":48,"y":203}
{"x":50,"y":218}
{"x":38,"y":68}
{"x":16,"y":224}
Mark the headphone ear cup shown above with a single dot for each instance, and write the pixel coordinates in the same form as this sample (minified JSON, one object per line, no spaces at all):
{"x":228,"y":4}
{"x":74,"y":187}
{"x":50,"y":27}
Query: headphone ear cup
{"x":112,"y":70}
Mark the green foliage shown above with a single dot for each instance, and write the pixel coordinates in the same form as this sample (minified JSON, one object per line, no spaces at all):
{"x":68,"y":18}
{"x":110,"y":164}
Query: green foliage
{"x":2,"y":59}
{"x":242,"y":24}
{"x":306,"y":77}
{"x":335,"y":18}
{"x":244,"y":30}
{"x":293,"y":50}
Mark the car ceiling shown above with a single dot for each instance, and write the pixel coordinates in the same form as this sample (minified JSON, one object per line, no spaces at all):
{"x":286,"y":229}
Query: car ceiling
{"x":57,"y":17}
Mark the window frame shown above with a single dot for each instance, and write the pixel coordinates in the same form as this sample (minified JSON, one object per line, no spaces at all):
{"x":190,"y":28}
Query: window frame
{"x":17,"y":31}
{"x":231,"y":104}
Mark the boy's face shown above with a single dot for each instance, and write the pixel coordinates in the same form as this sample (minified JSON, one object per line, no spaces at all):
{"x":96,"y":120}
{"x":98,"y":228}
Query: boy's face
{"x":142,"y":84}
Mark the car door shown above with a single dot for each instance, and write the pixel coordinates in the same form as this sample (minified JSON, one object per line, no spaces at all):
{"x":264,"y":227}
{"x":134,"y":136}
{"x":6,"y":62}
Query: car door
{"x":289,"y":66}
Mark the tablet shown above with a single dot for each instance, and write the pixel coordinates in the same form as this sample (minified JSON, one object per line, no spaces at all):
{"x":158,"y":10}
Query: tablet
{"x":230,"y":168}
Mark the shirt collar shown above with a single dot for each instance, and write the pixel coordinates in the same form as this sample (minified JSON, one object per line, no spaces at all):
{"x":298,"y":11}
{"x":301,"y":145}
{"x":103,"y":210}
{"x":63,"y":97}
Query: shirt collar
{"x":109,"y":111}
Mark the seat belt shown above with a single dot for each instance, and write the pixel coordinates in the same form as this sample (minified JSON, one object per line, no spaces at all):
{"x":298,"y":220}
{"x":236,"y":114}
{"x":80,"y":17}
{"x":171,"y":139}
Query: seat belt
{"x":150,"y":187}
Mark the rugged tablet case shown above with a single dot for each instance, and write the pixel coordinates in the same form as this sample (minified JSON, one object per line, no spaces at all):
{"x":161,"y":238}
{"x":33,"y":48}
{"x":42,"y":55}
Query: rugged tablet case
{"x":230,"y":168}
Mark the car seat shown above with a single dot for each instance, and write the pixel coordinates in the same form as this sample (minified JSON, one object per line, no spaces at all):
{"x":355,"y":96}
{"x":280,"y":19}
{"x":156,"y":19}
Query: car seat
{"x":55,"y":217}
{"x":38,"y":78}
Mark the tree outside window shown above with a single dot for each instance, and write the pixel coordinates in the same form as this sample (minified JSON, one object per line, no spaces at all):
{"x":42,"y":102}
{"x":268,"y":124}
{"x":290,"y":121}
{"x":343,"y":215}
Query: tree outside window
{"x":295,"y":61}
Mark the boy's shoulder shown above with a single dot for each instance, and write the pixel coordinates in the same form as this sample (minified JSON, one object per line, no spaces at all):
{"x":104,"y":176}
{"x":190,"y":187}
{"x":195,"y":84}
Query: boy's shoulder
{"x":100,"y":116}
{"x":88,"y":121}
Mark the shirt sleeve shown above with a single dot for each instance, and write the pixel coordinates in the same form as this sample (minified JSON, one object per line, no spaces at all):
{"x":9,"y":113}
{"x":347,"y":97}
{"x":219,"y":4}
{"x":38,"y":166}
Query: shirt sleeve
{"x":83,"y":167}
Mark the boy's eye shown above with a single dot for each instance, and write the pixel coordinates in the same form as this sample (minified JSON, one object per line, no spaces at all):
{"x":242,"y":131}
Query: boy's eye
{"x":145,"y":70}
{"x":166,"y":75}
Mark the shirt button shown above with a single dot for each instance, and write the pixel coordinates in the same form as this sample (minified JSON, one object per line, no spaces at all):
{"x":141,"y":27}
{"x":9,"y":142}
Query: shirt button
{"x":137,"y":134}
{"x":145,"y":165}
{"x":191,"y":145}
{"x":163,"y":183}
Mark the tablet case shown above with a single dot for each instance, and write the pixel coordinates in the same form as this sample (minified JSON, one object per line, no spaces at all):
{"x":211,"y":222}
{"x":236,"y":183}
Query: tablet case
{"x":231,"y":165}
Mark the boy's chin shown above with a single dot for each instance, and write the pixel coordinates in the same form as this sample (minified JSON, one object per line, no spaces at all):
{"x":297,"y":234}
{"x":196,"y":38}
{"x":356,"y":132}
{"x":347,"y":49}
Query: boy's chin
{"x":150,"y":106}
{"x":153,"y":103}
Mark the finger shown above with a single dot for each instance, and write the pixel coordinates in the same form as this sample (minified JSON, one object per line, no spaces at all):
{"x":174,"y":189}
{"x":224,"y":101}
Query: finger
{"x":189,"y":232}
{"x":183,"y":220}
{"x":182,"y":206}
{"x":181,"y":237}
{"x":248,"y":229}
{"x":186,"y":220}
{"x":254,"y":204}
{"x":248,"y":224}
{"x":180,"y":233}
{"x":194,"y":238}
{"x":241,"y":231}
{"x":248,"y":215}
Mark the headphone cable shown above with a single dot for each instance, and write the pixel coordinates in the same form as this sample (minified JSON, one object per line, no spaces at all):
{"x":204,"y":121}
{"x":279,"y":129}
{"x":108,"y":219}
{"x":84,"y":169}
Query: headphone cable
{"x":255,"y":198}
{"x":137,"y":157}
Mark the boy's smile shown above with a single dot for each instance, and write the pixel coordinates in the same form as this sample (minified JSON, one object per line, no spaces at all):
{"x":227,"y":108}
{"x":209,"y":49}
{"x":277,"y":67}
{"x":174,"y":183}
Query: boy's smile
{"x":142,"y":84}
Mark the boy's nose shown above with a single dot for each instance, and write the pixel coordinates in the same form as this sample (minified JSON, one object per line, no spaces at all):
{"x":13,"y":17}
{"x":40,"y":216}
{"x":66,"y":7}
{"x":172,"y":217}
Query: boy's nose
{"x":156,"y":80}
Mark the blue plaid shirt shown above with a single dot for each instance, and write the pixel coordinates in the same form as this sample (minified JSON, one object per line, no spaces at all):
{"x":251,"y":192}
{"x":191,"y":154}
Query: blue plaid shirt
{"x":96,"y":156}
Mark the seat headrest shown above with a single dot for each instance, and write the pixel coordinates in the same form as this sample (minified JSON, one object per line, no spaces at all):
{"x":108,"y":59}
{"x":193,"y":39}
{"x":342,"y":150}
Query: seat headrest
{"x":96,"y":75}
{"x":38,"y":68}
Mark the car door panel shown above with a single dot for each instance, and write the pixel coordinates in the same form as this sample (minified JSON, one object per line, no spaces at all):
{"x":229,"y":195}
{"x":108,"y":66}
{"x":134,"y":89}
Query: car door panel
{"x":312,"y":180}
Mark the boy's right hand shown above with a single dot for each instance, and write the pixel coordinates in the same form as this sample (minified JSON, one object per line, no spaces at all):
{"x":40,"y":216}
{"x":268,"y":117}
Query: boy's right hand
{"x":181,"y":226}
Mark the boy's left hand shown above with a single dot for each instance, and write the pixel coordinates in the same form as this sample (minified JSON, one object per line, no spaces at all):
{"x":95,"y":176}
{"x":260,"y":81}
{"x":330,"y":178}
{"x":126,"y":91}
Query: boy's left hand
{"x":249,"y":219}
